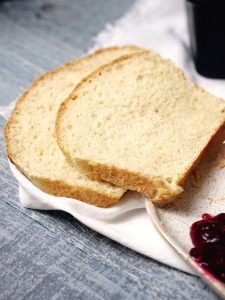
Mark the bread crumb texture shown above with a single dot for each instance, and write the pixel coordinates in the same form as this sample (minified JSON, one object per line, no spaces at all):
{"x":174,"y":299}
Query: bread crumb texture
{"x":140,"y":124}
{"x":30,"y":132}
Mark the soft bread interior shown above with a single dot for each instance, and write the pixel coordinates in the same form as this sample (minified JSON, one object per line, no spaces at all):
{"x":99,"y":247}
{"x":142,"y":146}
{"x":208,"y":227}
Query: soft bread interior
{"x":140,"y":124}
{"x":30,"y":132}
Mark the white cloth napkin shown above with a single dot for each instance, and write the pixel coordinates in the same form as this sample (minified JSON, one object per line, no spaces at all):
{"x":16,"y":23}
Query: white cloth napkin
{"x":161,"y":26}
{"x":126,"y":222}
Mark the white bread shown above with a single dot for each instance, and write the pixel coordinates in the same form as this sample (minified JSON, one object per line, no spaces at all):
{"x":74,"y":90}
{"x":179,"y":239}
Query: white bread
{"x":140,"y":124}
{"x":30,"y":139}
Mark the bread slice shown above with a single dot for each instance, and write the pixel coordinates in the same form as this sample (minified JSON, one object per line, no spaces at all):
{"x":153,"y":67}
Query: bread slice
{"x":140,"y":124}
{"x":30,"y":133}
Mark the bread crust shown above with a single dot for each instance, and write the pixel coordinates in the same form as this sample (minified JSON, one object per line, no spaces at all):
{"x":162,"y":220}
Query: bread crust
{"x":167,"y":192}
{"x":72,"y":97}
{"x":59,"y":188}
{"x":158,"y":191}
{"x":85,"y":194}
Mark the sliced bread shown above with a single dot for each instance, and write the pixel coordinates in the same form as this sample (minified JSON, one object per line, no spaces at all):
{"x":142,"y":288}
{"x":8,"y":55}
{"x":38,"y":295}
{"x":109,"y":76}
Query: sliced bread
{"x":30,"y":133}
{"x":140,"y":124}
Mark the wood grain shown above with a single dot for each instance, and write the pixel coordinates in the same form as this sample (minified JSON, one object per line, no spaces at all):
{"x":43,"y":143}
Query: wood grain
{"x":50,"y":255}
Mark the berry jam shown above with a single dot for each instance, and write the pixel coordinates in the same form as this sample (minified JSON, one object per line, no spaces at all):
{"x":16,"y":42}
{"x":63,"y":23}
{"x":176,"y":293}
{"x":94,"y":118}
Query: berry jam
{"x":208,"y":238}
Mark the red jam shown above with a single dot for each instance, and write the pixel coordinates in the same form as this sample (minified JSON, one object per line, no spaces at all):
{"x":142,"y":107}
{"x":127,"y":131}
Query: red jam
{"x":208,"y":238}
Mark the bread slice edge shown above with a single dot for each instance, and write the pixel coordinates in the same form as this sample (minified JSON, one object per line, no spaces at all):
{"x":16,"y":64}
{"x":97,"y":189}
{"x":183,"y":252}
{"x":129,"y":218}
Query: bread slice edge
{"x":85,"y":194}
{"x":158,"y":190}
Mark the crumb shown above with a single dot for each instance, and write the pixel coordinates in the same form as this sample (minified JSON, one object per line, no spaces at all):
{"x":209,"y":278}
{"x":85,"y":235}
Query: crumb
{"x":196,"y":176}
{"x":210,"y":200}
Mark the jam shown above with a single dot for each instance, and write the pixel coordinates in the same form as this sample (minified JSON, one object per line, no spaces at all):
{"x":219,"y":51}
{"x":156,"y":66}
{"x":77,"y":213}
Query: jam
{"x":208,"y":238}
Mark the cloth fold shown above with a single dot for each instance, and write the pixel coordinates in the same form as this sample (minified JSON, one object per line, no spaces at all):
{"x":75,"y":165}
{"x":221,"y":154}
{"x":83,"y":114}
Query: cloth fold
{"x":159,"y":25}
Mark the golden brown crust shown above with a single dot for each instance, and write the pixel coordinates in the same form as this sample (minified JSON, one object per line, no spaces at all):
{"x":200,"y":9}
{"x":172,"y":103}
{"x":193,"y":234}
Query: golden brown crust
{"x":121,"y":177}
{"x":84,"y":194}
{"x":132,"y":181}
{"x":201,"y":154}
{"x":56,"y":187}
{"x":136,"y":182}
{"x":61,"y":189}
{"x":116,"y":176}
{"x":48,"y":74}
{"x":157,"y":190}
{"x":44,"y":76}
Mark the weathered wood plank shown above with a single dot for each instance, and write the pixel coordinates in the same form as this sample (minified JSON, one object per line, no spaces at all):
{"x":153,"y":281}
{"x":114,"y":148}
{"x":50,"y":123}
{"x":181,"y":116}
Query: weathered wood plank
{"x":50,"y":255}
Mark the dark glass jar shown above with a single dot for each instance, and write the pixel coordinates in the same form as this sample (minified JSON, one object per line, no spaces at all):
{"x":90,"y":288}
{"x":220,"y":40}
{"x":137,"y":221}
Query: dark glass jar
{"x":206,"y":22}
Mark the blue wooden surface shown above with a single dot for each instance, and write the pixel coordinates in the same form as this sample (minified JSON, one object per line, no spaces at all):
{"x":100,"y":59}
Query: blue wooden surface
{"x":50,"y":255}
